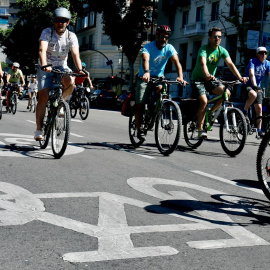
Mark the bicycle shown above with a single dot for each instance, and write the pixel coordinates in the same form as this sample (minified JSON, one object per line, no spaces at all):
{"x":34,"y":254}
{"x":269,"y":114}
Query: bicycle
{"x":165,"y":115}
{"x":33,"y":102}
{"x":233,"y":127}
{"x":56,"y":122}
{"x":1,"y":104}
{"x":14,"y":97}
{"x":79,"y":101}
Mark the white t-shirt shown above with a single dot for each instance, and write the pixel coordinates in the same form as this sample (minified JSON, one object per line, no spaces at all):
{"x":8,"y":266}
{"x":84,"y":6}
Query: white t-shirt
{"x":58,"y":46}
{"x":32,"y":86}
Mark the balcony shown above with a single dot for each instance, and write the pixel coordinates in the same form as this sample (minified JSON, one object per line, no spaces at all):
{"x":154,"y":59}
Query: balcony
{"x":195,"y":29}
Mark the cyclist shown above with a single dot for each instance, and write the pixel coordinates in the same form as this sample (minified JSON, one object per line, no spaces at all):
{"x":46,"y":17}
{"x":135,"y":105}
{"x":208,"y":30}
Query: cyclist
{"x":202,"y":78}
{"x":54,"y":45}
{"x":15,"y":75}
{"x":256,"y":70}
{"x":154,"y":59}
{"x":32,"y":88}
{"x":80,"y":80}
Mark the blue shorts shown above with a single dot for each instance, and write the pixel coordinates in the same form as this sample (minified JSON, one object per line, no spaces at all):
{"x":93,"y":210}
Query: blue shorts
{"x":45,"y":79}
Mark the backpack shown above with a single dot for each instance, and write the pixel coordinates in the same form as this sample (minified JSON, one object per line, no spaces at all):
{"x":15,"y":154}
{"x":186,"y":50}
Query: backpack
{"x":128,"y":108}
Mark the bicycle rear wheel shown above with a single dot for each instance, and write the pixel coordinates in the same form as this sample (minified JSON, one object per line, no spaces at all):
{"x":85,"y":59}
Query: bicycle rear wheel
{"x":60,"y":130}
{"x":34,"y":103}
{"x":168,"y":127}
{"x":46,"y":128}
{"x":84,"y":109}
{"x":133,"y":132}
{"x":234,"y":138}
{"x":263,"y":165}
{"x":73,"y":107}
{"x":1,"y":107}
{"x":191,"y":133}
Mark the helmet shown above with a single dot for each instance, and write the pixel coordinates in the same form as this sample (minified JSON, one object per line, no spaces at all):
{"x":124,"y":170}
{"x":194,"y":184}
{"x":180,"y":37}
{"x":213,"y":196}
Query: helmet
{"x":163,"y":29}
{"x":61,"y":13}
{"x":15,"y":64}
{"x":33,"y":76}
{"x":83,"y":65}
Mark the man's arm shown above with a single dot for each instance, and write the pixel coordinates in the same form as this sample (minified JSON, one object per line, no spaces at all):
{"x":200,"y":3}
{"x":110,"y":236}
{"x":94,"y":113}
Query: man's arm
{"x":252,"y":76}
{"x":234,"y":70}
{"x":43,"y":46}
{"x":1,"y":72}
{"x":76,"y":58}
{"x":145,"y":64}
{"x":179,"y":69}
{"x":8,"y":77}
{"x":204,"y":69}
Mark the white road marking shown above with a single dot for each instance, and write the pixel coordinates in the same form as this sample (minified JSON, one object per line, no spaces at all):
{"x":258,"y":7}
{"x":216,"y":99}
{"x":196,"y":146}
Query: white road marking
{"x":33,"y":122}
{"x":127,"y":150}
{"x":76,"y":120}
{"x":76,"y":135}
{"x":228,"y":181}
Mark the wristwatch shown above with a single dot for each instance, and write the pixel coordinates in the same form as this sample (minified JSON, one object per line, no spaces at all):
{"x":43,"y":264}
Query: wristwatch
{"x":148,"y":70}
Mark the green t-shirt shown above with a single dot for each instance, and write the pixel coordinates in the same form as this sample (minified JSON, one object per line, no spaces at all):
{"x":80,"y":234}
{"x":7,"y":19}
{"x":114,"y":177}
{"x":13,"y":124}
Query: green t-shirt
{"x":15,"y":76}
{"x":212,"y":56}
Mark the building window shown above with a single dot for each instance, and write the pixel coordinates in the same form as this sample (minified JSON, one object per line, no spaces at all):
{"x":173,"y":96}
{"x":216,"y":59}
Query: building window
{"x":106,"y":40}
{"x":92,"y":18}
{"x":183,"y":55}
{"x":233,"y":7}
{"x":199,"y":14}
{"x":215,"y":11}
{"x":85,"y":22}
{"x":185,"y":18}
{"x":78,"y":24}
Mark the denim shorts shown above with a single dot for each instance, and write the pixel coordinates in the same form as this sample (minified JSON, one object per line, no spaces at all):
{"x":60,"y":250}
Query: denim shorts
{"x":45,"y":79}
{"x":143,"y":91}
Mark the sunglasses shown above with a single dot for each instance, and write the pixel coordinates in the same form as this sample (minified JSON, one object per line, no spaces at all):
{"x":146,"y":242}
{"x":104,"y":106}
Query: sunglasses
{"x":217,"y":37}
{"x":262,"y":53}
{"x":162,"y":36}
{"x":59,"y":20}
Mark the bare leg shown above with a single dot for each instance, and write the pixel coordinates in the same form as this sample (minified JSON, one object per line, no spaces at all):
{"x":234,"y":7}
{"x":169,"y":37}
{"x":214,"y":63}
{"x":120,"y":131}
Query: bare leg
{"x":41,"y":107}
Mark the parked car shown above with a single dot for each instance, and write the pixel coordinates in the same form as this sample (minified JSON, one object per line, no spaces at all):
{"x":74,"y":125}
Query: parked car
{"x":103,"y":97}
{"x":122,"y":97}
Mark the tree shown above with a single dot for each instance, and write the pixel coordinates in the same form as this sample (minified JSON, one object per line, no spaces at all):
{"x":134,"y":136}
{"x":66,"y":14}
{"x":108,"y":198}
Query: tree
{"x":20,"y":43}
{"x":250,"y":19}
{"x":126,"y":24}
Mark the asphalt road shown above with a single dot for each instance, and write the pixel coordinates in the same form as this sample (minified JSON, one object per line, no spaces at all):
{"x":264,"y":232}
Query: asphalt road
{"x":105,"y":205}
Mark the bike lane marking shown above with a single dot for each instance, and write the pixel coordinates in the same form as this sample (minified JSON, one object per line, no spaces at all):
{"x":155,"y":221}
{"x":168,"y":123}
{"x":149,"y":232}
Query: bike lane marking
{"x":113,"y":232}
{"x":20,"y":145}
{"x":228,"y":181}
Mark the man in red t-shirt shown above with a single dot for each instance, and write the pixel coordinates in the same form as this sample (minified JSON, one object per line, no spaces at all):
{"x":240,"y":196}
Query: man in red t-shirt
{"x":80,"y":80}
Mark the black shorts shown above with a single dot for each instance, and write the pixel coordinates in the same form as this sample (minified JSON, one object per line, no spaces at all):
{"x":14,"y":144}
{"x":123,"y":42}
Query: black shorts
{"x":247,"y":89}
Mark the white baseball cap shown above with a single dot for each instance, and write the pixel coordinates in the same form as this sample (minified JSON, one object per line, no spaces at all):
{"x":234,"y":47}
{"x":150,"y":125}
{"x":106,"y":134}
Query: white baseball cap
{"x":261,"y":49}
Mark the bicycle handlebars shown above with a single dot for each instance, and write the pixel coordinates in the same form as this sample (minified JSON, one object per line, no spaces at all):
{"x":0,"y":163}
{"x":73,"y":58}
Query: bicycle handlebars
{"x":70,"y":73}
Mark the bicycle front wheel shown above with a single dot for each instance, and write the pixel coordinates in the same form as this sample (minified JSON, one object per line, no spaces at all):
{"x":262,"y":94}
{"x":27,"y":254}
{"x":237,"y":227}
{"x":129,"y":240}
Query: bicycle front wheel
{"x":34,"y":103}
{"x":191,"y":133}
{"x":233,"y":133}
{"x":168,"y":127}
{"x":60,"y":130}
{"x":84,"y":109}
{"x":133,"y":132}
{"x":1,"y":107}
{"x":46,"y":128}
{"x":263,"y":164}
{"x":14,"y":102}
{"x":72,"y":107}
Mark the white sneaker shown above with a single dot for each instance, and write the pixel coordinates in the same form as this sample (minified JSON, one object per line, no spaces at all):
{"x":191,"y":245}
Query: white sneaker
{"x":61,"y":113}
{"x":38,"y":135}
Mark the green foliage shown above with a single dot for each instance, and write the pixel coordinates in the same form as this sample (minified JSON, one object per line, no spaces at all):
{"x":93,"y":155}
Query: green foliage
{"x":125,"y":24}
{"x":20,"y":43}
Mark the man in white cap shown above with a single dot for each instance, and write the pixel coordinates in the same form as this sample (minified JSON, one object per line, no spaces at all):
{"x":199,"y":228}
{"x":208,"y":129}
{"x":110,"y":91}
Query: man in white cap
{"x":257,"y":68}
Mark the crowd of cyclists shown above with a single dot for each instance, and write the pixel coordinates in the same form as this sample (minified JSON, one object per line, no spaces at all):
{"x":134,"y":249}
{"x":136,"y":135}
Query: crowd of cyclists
{"x":57,"y":41}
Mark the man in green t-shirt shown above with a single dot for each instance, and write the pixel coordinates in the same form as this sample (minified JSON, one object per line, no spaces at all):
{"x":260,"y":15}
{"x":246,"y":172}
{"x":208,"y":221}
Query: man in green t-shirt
{"x":203,"y":74}
{"x":15,"y":75}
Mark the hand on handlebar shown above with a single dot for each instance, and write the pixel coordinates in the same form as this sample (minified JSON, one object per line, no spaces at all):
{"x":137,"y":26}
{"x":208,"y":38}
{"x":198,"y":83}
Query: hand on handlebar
{"x":244,"y":79}
{"x":146,"y":77}
{"x":183,"y":82}
{"x":47,"y":68}
{"x":210,"y":78}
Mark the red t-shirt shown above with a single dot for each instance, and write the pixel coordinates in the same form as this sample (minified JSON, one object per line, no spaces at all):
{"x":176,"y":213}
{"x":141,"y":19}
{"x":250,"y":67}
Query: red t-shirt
{"x":79,"y":80}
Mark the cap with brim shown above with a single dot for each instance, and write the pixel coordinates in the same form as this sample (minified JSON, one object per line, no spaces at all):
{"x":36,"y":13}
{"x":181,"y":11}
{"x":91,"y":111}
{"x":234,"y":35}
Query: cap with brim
{"x":261,"y":49}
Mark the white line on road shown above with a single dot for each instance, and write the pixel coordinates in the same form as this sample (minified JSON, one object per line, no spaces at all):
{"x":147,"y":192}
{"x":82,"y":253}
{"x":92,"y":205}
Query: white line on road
{"x":76,"y":135}
{"x":126,"y":150}
{"x":76,"y":120}
{"x":228,"y":181}
{"x":33,"y":122}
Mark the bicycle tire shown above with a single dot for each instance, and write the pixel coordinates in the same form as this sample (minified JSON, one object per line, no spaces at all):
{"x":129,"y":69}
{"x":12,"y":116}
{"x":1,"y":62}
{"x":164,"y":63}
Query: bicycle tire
{"x":34,"y":103}
{"x":233,"y":141}
{"x":168,"y":127}
{"x":60,"y":130}
{"x":1,"y":107}
{"x":263,"y":165}
{"x":14,"y":105}
{"x":133,"y":131}
{"x":84,"y":108}
{"x":73,"y":108}
{"x":191,"y":133}
{"x":46,"y":130}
